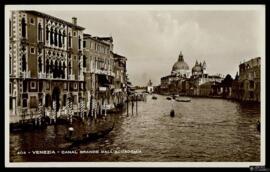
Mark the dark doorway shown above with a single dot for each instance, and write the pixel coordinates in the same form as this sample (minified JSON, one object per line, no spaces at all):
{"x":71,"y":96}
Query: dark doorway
{"x":56,"y":97}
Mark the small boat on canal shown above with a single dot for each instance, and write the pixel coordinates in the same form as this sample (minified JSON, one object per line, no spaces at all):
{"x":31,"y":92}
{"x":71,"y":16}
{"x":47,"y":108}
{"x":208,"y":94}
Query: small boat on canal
{"x":169,"y":98}
{"x":88,"y":136}
{"x":154,"y":97}
{"x":183,"y":99}
{"x":172,"y":113}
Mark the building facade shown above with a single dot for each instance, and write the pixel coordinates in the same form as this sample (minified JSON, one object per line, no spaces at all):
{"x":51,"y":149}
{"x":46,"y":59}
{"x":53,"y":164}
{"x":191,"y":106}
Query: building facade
{"x":99,"y":74}
{"x":45,"y":62}
{"x":54,"y":67}
{"x":120,"y":80}
{"x":249,"y":80}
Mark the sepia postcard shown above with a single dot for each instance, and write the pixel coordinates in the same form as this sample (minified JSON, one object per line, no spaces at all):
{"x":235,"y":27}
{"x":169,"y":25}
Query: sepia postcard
{"x":135,"y":85}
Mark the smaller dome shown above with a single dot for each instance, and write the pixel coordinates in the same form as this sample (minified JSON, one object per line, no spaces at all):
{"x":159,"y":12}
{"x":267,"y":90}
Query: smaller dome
{"x":197,"y":69}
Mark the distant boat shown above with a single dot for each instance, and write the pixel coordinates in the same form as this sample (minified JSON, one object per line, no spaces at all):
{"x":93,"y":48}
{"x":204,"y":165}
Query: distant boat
{"x":172,"y":113}
{"x":154,"y":97}
{"x":183,"y":99}
{"x":169,"y":98}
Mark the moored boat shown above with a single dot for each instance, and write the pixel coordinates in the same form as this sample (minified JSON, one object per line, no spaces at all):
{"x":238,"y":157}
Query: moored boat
{"x":154,"y":97}
{"x":87,"y":137}
{"x":183,"y":99}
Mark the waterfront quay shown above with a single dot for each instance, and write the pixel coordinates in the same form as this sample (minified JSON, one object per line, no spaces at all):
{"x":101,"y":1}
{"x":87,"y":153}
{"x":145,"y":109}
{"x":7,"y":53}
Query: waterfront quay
{"x":202,"y":130}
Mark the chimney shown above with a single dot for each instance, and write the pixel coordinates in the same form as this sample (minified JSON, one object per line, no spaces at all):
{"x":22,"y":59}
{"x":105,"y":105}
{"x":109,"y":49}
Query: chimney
{"x":74,"y":20}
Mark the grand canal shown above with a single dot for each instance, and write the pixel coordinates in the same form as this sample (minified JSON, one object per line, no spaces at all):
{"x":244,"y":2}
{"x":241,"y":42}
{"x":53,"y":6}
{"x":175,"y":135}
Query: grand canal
{"x":202,"y":130}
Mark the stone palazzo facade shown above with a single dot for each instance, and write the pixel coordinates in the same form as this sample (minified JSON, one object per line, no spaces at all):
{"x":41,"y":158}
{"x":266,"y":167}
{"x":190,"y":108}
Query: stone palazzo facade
{"x":54,"y":66}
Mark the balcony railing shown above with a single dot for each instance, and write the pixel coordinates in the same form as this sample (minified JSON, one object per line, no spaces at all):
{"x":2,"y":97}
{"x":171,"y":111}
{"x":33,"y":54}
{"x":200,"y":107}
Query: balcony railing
{"x":104,"y":72}
{"x":42,"y":76}
{"x":72,"y":77}
{"x":25,"y":74}
{"x":49,"y":76}
{"x":81,"y":77}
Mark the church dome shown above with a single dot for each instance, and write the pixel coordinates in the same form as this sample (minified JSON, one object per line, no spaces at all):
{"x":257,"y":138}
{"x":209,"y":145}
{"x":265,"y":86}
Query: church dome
{"x":197,"y":68}
{"x":180,"y":64}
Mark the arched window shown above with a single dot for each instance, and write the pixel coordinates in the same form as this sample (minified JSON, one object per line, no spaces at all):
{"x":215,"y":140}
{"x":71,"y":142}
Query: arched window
{"x":23,"y":28}
{"x":64,"y":35}
{"x":51,"y":67}
{"x":47,"y":33}
{"x":39,"y":64}
{"x":60,"y":71}
{"x":23,"y":63}
{"x":60,"y":39}
{"x":79,"y":42}
{"x":84,"y":61}
{"x":55,"y":37}
{"x":79,"y":67}
{"x":69,"y":68}
{"x":51,"y":37}
{"x":47,"y":66}
{"x":55,"y":71}
{"x":64,"y":67}
{"x":10,"y":62}
{"x":69,"y":40}
{"x":39,"y":32}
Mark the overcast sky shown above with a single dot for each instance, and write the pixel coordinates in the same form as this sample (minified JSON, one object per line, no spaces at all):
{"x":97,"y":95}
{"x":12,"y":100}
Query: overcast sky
{"x":152,"y":40}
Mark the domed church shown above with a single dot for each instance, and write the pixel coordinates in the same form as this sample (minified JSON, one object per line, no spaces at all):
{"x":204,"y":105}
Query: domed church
{"x":180,"y":68}
{"x":198,"y":69}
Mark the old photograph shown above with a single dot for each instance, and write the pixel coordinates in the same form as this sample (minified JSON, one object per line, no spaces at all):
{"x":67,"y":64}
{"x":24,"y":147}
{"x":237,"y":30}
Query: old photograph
{"x":135,"y":85}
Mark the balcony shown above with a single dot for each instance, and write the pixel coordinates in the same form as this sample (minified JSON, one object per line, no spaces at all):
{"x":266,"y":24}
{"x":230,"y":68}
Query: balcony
{"x":99,"y":71}
{"x":49,"y":76}
{"x":42,"y":76}
{"x":25,"y":74}
{"x":81,"y":77}
{"x":104,"y":72}
{"x":71,"y":77}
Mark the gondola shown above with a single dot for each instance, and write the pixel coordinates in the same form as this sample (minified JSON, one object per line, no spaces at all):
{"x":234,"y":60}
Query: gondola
{"x":182,"y":100}
{"x":88,"y":137}
{"x":169,"y":98}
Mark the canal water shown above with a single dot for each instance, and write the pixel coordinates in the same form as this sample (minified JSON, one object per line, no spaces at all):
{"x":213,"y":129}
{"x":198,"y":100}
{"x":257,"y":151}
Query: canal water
{"x":203,"y":130}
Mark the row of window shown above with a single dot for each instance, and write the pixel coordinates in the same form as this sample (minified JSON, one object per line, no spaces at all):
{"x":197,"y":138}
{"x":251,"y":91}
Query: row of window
{"x":97,"y":47}
{"x":38,"y":86}
{"x":56,"y":37}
